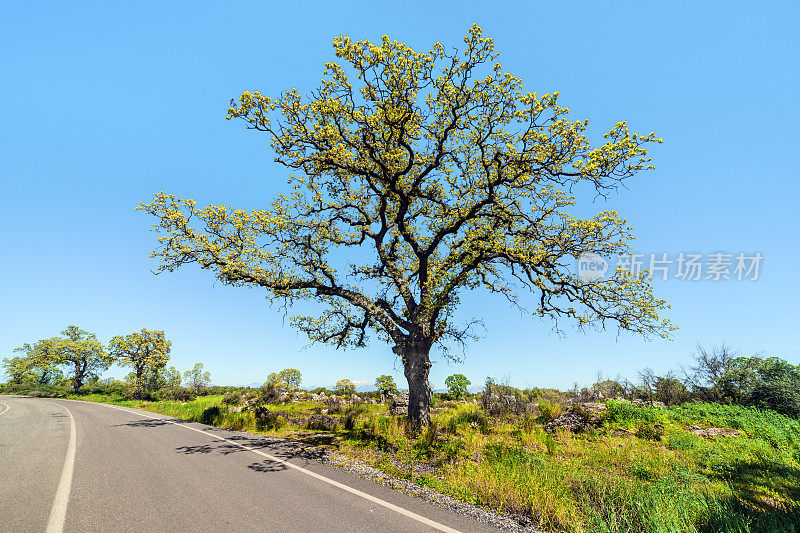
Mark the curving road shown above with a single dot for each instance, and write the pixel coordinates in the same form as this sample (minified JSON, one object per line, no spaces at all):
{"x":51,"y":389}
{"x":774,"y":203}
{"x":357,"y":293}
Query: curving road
{"x":80,"y":466}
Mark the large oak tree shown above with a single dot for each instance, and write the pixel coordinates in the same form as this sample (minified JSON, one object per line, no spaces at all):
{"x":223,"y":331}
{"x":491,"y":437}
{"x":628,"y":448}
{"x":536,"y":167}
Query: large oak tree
{"x":446,"y":176}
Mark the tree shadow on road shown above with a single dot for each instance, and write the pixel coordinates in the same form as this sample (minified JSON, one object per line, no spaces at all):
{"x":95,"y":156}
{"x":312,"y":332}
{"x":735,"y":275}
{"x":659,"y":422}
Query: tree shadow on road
{"x":144,"y":423}
{"x":268,"y":465}
{"x":279,"y":448}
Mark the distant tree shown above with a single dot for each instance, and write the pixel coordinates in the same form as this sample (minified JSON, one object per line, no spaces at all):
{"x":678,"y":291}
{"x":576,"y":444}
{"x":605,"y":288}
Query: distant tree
{"x":273,"y":380}
{"x":704,"y":377}
{"x":78,"y":350}
{"x":457,"y":385}
{"x":767,"y":383}
{"x":647,"y":385}
{"x":345,"y":386}
{"x":196,"y":378}
{"x":172,"y":377}
{"x":290,"y":378}
{"x":432,"y":174}
{"x":145,"y":351}
{"x":386,"y":385}
{"x":670,"y":390}
{"x":610,"y":388}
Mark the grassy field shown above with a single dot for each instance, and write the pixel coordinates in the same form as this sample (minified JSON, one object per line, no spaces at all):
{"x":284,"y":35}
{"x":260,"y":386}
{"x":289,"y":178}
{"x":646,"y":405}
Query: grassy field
{"x":640,"y":471}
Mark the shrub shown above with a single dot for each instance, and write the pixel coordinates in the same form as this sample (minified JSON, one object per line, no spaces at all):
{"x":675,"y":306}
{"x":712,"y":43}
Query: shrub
{"x":178,"y":394}
{"x":467,"y":415}
{"x":549,"y":410}
{"x":352,"y":417}
{"x":650,"y":431}
{"x":232,"y":398}
{"x":322,"y":423}
{"x":270,"y":393}
{"x":266,"y":419}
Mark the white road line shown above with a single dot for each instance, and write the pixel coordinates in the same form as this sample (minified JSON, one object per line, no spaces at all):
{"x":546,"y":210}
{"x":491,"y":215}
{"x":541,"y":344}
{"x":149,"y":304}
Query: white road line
{"x":4,"y":410}
{"x":59,"y":511}
{"x":369,"y":497}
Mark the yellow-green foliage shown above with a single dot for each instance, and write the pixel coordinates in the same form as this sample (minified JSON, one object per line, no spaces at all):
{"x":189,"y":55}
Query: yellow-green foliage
{"x":549,"y":410}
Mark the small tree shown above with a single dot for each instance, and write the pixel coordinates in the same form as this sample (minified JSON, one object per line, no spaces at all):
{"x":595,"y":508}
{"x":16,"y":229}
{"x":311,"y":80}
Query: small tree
{"x":386,"y":385}
{"x":415,"y":177}
{"x":145,"y":351}
{"x":457,"y":385}
{"x":705,"y":377}
{"x":345,"y":386}
{"x":196,"y":378}
{"x":669,"y":390}
{"x":172,"y":377}
{"x":290,"y":378}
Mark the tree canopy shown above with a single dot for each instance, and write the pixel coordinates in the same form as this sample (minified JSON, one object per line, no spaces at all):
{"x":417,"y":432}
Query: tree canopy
{"x":196,"y":377}
{"x":385,"y":384}
{"x":78,"y":350}
{"x":145,"y":351}
{"x":457,"y":385}
{"x":446,"y":176}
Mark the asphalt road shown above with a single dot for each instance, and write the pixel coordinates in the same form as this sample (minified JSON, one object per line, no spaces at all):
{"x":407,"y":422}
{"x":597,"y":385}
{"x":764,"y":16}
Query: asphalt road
{"x":80,"y":466}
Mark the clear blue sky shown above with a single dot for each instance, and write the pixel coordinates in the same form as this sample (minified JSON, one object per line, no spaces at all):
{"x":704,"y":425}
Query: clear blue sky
{"x":103,"y":104}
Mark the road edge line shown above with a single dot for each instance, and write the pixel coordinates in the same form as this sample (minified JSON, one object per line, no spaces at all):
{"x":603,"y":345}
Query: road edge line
{"x":58,"y":513}
{"x":347,"y":488}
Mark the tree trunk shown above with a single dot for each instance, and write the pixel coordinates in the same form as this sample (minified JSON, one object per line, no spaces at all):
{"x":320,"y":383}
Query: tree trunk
{"x":417,"y":365}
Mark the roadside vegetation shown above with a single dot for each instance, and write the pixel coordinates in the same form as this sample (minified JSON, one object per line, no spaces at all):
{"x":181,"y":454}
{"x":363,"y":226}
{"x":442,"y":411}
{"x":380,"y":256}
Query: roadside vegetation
{"x":718,"y":450}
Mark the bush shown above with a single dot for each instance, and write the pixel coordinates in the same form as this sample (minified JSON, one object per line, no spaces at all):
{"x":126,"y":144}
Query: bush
{"x":232,"y":398}
{"x":650,"y":431}
{"x":351,"y":418}
{"x":178,"y":394}
{"x":266,"y":419}
{"x":467,"y":415}
{"x":549,"y":410}
{"x":270,"y":393}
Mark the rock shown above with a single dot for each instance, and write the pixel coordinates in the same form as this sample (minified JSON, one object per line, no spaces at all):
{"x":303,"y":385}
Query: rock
{"x":713,"y":432}
{"x":398,"y":403}
{"x":580,"y":417}
{"x":322,"y":423}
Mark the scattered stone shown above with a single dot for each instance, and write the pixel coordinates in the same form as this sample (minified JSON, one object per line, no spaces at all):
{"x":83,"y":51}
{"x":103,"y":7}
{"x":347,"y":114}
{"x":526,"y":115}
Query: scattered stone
{"x":398,"y":403}
{"x":322,"y":423}
{"x":580,"y":417}
{"x":713,"y":432}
